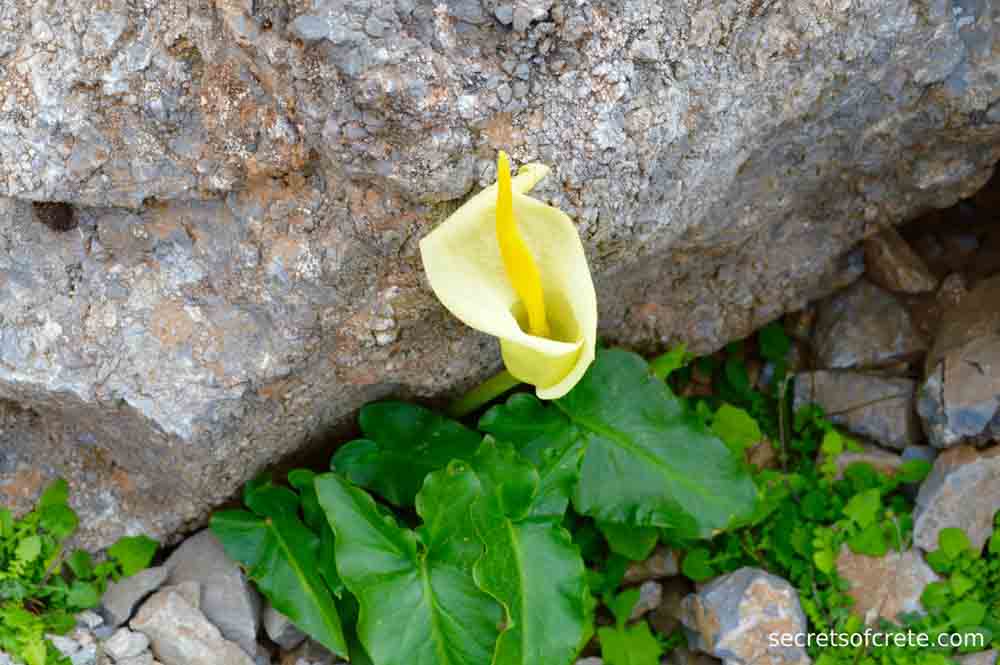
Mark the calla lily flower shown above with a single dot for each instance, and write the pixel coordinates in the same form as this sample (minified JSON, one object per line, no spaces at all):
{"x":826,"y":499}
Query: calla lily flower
{"x":510,"y":266}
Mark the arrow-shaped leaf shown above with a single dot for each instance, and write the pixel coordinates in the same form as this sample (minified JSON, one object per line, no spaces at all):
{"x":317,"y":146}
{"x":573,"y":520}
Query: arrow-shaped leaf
{"x":419,"y":602}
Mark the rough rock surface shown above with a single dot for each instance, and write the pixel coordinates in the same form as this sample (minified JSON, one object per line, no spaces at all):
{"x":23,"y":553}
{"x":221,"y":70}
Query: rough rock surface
{"x":962,"y":491}
{"x":661,"y":563}
{"x":991,"y":657}
{"x":249,"y":181}
{"x":181,"y":635}
{"x":868,"y":405}
{"x":227,"y":598}
{"x":122,"y":598}
{"x":864,"y":327}
{"x":885,"y":586}
{"x":892,"y":264}
{"x":960,"y":399}
{"x":734,"y":617}
{"x":880,"y":459}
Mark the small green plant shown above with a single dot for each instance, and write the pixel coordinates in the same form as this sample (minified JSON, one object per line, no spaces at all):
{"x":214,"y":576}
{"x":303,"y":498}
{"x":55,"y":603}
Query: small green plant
{"x":453,"y":543}
{"x":41,"y":587}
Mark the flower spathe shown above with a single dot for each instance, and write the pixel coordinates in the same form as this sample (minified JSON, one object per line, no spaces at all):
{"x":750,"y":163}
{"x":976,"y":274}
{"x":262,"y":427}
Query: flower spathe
{"x":511,"y":266}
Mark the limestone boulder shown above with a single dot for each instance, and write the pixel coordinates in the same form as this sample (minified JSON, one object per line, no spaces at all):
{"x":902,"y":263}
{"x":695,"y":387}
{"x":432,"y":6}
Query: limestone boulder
{"x":235,"y":269}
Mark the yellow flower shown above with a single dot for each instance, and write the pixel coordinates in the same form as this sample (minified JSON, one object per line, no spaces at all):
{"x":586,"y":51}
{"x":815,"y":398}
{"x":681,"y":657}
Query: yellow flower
{"x":511,"y":266}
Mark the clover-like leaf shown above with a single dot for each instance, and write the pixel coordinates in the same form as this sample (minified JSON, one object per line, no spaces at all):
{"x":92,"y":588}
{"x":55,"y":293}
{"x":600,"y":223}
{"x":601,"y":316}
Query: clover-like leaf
{"x":647,"y":460}
{"x":403,"y":443}
{"x":419,"y":602}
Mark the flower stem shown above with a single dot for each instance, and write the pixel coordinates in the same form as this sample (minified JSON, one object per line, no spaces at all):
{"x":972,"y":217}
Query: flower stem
{"x":482,"y":394}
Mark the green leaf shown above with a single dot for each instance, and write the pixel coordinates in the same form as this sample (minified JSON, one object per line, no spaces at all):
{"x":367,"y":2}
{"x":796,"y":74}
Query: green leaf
{"x":403,"y":444}
{"x":541,"y":437}
{"x":28,"y":550}
{"x":961,"y":584}
{"x":634,"y":645}
{"x":936,"y":595}
{"x":83,"y":595}
{"x":825,"y":561}
{"x":773,"y":343}
{"x":913,"y":471}
{"x":81,"y":564}
{"x":632,"y":542}
{"x":666,"y":364}
{"x":863,"y":508}
{"x":56,"y":494}
{"x":280,"y":554}
{"x":870,"y":541}
{"x":303,"y":480}
{"x":967,"y":614}
{"x":622,"y":604}
{"x":995,"y":543}
{"x":953,"y":542}
{"x":648,"y":460}
{"x":530,"y":566}
{"x":59,"y":520}
{"x":133,"y":553}
{"x":6,"y":523}
{"x":833,"y":443}
{"x":423,"y":585}
{"x":736,"y":428}
{"x":697,"y":565}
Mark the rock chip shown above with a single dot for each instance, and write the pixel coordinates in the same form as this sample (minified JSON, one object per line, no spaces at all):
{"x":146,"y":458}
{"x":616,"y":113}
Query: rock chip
{"x":661,"y":563}
{"x":650,"y":595}
{"x":592,"y":660}
{"x":887,"y":586}
{"x":962,"y":491}
{"x":228,"y":599}
{"x":864,"y":327}
{"x":891,"y":263}
{"x":122,"y":597}
{"x":126,"y":644}
{"x":960,"y":399}
{"x":868,"y":405}
{"x":281,"y":630}
{"x":735,"y":616}
{"x":181,"y":635}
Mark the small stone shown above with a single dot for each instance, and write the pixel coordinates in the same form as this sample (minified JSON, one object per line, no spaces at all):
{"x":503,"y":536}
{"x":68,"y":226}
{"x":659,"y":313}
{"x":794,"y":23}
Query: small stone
{"x":734,"y":617}
{"x":960,"y":398}
{"x":310,"y":28}
{"x":885,"y":586}
{"x":661,"y":563}
{"x":645,"y":50}
{"x":227,"y":598}
{"x":650,"y":595}
{"x":311,"y":652}
{"x":891,"y":263}
{"x":504,"y":93}
{"x":593,"y":660}
{"x":145,"y":658}
{"x":281,"y":630}
{"x":504,"y":14}
{"x":952,"y":290}
{"x":181,"y":635}
{"x":122,"y":597}
{"x":962,"y":491}
{"x":126,"y":644}
{"x":868,"y":405}
{"x":881,"y":460}
{"x":864,"y":326}
{"x":89,"y":619}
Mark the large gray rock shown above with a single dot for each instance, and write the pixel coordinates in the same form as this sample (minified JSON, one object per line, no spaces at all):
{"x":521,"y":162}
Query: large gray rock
{"x":868,"y":405}
{"x":181,"y":635}
{"x":121,"y":598}
{"x":885,"y":587}
{"x":962,"y":491}
{"x":227,"y":598}
{"x":280,"y":629}
{"x":991,"y":657}
{"x":864,"y":327}
{"x":250,"y":181}
{"x":960,"y":399}
{"x":742,"y":618}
